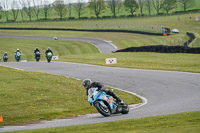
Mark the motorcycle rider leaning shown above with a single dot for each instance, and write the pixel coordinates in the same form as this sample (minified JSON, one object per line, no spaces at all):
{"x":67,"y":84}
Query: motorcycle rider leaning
{"x":88,"y":83}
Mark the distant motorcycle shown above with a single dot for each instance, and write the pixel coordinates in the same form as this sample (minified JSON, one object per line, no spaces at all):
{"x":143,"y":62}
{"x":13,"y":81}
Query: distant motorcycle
{"x":18,"y":56}
{"x":49,"y":57}
{"x":5,"y":58}
{"x":37,"y":56}
{"x":106,"y":104}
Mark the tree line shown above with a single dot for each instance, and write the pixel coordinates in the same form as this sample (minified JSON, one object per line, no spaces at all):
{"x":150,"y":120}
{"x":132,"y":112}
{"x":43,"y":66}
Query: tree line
{"x":43,"y":8}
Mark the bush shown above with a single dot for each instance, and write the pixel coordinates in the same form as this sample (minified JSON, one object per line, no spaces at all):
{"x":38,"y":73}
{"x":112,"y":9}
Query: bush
{"x":194,"y":10}
{"x":106,"y":16}
{"x":71,"y":18}
{"x":192,"y":37}
{"x":162,"y":49}
{"x":84,"y":18}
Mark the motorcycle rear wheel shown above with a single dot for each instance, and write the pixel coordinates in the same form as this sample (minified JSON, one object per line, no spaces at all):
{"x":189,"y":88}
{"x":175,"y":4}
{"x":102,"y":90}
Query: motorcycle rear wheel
{"x":102,"y":110}
{"x":125,"y":109}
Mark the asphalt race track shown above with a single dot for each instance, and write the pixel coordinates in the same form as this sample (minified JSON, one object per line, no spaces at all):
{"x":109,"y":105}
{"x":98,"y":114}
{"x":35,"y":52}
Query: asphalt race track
{"x":103,"y":46}
{"x":166,"y":92}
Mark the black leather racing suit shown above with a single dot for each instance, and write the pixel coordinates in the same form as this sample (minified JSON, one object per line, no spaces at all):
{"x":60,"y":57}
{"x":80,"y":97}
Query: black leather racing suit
{"x":102,"y":88}
{"x":37,"y":50}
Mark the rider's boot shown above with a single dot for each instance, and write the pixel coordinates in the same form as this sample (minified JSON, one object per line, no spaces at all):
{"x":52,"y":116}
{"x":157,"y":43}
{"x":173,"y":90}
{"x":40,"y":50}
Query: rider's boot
{"x":117,"y":98}
{"x":110,"y":92}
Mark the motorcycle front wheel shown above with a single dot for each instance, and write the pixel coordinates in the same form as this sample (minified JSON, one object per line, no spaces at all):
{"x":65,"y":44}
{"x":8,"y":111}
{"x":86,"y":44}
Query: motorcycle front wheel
{"x":102,"y":110}
{"x":37,"y":59}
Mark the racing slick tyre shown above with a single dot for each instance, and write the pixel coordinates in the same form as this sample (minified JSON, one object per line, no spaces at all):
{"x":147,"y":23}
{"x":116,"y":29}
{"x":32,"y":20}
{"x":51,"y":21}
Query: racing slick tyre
{"x":37,"y":59}
{"x":102,"y":110}
{"x":125,"y":109}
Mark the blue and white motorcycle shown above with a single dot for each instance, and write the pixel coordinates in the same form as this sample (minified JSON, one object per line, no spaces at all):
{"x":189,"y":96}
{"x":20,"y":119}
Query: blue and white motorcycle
{"x":5,"y":58}
{"x":17,"y":56}
{"x":106,"y":104}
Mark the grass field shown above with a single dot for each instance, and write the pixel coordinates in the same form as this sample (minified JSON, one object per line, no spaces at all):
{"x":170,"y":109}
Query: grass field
{"x":176,"y":123}
{"x":154,"y":61}
{"x":79,"y":52}
{"x":197,"y":43}
{"x":34,"y":96}
{"x":27,"y":47}
{"x":121,"y":40}
{"x":151,"y":24}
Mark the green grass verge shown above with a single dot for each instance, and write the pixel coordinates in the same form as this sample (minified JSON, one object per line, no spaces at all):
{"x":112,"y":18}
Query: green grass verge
{"x":176,"y":123}
{"x":197,"y":43}
{"x":154,"y":61}
{"x":70,"y":51}
{"x":61,"y":48}
{"x":34,"y":96}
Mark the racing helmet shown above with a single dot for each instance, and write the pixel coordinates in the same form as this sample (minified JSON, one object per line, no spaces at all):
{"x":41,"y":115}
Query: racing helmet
{"x":87,"y":83}
{"x":49,"y":48}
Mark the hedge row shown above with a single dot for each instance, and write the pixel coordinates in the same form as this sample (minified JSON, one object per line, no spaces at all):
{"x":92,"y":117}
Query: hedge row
{"x":165,"y":48}
{"x":192,"y":37}
{"x":88,"y":30}
{"x":162,"y":49}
